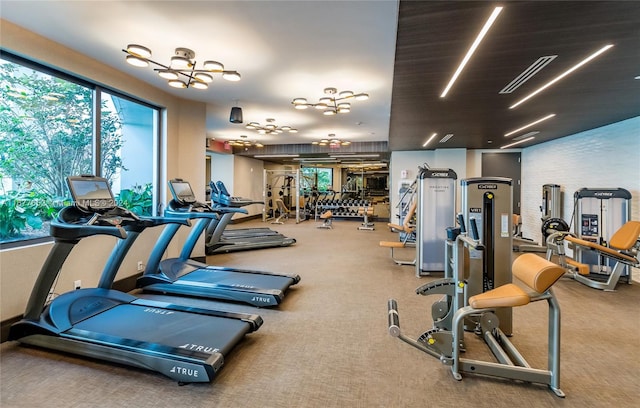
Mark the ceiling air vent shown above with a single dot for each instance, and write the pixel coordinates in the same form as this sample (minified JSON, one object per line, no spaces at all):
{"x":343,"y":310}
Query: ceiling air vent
{"x":526,"y":135}
{"x":528,"y":73}
{"x":446,"y":137}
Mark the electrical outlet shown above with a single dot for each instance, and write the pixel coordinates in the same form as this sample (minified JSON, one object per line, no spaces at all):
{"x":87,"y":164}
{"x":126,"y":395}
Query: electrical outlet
{"x":140,"y":266}
{"x":77,"y":284}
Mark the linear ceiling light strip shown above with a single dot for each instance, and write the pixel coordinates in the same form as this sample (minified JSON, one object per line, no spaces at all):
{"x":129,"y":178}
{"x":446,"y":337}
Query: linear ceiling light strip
{"x":475,"y":45}
{"x":517,"y":143}
{"x":429,"y":140}
{"x":528,"y":73}
{"x":564,"y":74}
{"x":535,"y":122}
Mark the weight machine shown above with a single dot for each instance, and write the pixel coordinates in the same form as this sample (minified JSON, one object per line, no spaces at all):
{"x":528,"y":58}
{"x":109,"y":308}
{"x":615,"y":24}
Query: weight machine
{"x":604,"y":241}
{"x":478,"y":313}
{"x":287,"y":185}
{"x":487,"y":201}
{"x":436,"y":210}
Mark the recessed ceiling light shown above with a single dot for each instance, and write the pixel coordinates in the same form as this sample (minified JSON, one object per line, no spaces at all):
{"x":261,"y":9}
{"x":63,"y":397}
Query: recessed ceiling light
{"x":530,"y":124}
{"x":472,"y":49}
{"x":564,"y":74}
{"x":446,"y":137}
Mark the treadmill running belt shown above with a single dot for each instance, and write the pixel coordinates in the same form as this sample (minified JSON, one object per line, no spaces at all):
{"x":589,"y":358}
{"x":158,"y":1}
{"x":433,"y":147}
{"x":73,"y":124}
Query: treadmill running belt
{"x":168,"y":327}
{"x":238,"y":280}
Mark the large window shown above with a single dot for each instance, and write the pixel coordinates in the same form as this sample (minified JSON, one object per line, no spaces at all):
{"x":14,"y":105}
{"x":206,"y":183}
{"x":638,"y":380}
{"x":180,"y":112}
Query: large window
{"x":52,"y":127}
{"x":318,"y":178}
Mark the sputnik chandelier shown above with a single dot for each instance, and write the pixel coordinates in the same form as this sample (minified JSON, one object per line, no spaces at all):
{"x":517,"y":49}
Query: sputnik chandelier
{"x":332,"y":142}
{"x":181,"y":72}
{"x":270,"y":127}
{"x":243,"y":142}
{"x":333,"y":103}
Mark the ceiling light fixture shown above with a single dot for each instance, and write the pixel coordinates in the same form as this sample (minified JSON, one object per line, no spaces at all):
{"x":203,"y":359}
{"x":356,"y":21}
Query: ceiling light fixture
{"x":270,"y":127}
{"x":243,"y":142}
{"x":564,"y":74}
{"x":429,"y":139}
{"x":332,"y":142}
{"x":517,"y":143}
{"x":273,"y":156}
{"x":530,"y":124}
{"x":353,"y":156}
{"x":236,"y":114}
{"x":183,"y":65}
{"x":475,"y":45}
{"x":446,"y":138}
{"x":315,"y":159}
{"x":333,"y":103}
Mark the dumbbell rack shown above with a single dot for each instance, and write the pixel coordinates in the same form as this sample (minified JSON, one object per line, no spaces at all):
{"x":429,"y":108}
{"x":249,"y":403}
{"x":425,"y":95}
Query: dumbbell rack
{"x":342,"y":208}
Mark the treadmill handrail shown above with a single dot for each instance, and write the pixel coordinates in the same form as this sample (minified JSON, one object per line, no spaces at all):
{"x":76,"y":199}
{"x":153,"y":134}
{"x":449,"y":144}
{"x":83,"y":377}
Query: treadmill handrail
{"x":122,"y":247}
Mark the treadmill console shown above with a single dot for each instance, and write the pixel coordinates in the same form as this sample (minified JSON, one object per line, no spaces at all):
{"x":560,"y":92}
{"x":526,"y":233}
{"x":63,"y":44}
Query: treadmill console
{"x":90,"y":193}
{"x":182,"y":192}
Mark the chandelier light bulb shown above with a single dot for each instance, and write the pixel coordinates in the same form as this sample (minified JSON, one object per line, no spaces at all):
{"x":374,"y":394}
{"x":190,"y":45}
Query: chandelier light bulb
{"x":136,"y":61}
{"x":329,"y":112}
{"x":179,"y":62}
{"x":232,"y":76}
{"x":176,"y":83}
{"x":139,"y":51}
{"x":168,"y":74}
{"x":345,"y":94}
{"x":199,"y":84}
{"x":362,"y":97}
{"x":203,"y":77}
{"x":213,"y":66}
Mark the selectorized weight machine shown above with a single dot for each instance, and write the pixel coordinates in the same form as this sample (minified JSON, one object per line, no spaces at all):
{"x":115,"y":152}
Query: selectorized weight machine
{"x":436,"y":210}
{"x":605,"y":243}
{"x":478,"y":313}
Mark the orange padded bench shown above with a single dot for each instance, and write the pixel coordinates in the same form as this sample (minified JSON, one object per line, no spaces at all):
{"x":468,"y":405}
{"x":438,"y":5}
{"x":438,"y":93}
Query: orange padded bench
{"x":535,"y":272}
{"x":623,"y":248}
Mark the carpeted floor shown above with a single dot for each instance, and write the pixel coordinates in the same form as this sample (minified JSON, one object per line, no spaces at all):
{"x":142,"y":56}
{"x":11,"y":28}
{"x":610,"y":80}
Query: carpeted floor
{"x":327,"y":345}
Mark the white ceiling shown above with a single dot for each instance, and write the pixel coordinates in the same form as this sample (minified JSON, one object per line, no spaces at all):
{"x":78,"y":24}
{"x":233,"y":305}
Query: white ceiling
{"x":282,"y":49}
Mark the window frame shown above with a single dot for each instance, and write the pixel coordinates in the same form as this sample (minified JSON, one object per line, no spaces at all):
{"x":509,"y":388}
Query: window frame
{"x":97,"y":89}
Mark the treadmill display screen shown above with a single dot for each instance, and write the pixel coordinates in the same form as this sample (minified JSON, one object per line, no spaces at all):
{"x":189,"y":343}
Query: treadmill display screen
{"x":182,"y":191}
{"x":92,"y":193}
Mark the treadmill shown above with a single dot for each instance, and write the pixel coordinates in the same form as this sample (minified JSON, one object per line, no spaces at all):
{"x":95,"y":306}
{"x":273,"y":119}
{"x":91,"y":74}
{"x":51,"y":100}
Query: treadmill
{"x":224,"y":200}
{"x":186,"y":344}
{"x":220,"y":240}
{"x":185,"y":276}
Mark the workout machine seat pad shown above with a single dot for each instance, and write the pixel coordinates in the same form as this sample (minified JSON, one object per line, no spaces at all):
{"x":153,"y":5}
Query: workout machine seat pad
{"x":606,"y":251}
{"x":535,"y":272}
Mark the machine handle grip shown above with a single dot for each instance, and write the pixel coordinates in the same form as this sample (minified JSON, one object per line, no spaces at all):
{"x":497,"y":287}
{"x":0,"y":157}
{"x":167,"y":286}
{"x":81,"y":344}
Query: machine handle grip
{"x":460,"y":218}
{"x":474,"y":229}
{"x":394,"y":319}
